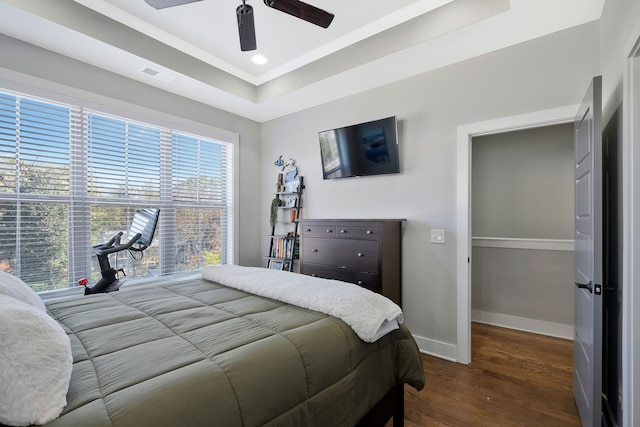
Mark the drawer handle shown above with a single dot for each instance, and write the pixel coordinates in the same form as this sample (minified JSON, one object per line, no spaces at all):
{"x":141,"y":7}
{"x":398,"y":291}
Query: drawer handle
{"x":314,"y":251}
{"x":343,"y":231}
{"x":308,"y":230}
{"x":329,"y":230}
{"x":360,"y":254}
{"x":369,"y":232}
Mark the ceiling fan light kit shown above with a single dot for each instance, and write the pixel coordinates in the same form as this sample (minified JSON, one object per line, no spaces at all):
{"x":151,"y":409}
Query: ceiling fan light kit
{"x":244,"y":14}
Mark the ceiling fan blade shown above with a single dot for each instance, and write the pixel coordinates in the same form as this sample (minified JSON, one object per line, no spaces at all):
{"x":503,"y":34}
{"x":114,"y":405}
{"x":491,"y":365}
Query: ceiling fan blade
{"x":303,"y":11}
{"x":161,"y":4}
{"x":246,"y":27}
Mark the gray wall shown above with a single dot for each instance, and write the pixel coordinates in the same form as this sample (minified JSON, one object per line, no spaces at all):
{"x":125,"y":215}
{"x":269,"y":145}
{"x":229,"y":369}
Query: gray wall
{"x":532,"y":284}
{"x":522,"y":188}
{"x":36,"y":69}
{"x":522,"y":183}
{"x":549,"y":72}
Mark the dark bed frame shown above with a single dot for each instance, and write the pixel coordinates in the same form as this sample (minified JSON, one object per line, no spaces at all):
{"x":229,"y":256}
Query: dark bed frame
{"x":391,"y":405}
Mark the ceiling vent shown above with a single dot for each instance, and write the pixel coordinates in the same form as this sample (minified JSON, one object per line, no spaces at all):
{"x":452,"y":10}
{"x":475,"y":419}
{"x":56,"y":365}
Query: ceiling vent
{"x":158,"y":75}
{"x":150,"y":71}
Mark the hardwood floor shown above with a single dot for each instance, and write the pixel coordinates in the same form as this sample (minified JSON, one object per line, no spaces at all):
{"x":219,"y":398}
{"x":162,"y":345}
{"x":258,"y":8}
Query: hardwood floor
{"x":515,"y":379}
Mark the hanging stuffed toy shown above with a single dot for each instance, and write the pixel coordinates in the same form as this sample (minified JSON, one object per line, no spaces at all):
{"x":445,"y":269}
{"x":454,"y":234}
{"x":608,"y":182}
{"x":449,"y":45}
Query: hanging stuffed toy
{"x":279,"y":162}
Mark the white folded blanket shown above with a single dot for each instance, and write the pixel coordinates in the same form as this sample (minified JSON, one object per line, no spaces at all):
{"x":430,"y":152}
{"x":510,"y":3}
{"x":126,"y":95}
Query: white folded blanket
{"x":370,"y":315}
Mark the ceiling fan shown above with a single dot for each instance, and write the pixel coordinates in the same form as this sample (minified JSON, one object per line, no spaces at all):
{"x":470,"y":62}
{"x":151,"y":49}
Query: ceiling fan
{"x":244,"y":14}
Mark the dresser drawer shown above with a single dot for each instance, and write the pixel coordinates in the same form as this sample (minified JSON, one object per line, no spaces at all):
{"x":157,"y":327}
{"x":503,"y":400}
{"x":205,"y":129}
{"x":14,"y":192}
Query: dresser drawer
{"x":351,"y":254}
{"x":318,"y":230}
{"x":364,"y":251}
{"x":357,"y":232}
{"x":369,"y":281}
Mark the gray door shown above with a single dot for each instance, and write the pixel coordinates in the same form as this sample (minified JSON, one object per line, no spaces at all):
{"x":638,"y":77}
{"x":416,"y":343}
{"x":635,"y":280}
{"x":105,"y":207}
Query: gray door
{"x":587,"y":344}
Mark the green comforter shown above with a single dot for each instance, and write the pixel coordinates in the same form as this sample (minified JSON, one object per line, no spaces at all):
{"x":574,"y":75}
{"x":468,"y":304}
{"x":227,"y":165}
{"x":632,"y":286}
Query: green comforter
{"x":196,"y":353}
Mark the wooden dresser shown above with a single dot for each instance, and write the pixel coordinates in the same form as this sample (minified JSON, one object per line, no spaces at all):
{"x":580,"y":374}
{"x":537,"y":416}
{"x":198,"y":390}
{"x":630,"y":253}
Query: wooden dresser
{"x":367,"y":252}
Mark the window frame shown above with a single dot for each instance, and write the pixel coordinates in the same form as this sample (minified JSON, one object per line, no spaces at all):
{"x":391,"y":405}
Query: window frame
{"x":168,"y":125}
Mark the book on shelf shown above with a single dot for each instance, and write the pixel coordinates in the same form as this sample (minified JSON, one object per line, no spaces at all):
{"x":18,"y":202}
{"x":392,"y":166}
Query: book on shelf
{"x":283,"y":247}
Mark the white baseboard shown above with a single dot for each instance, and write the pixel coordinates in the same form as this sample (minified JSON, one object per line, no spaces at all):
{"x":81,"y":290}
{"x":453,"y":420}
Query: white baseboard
{"x":542,"y":327}
{"x":449,"y":351}
{"x":436,"y":348}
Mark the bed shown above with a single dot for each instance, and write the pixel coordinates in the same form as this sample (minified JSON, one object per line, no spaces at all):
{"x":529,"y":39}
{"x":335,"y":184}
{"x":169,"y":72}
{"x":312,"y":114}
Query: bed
{"x":195,"y":351}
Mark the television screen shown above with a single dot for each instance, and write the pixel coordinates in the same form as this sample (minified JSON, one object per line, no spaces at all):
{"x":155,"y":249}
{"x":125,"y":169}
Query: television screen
{"x":364,"y":149}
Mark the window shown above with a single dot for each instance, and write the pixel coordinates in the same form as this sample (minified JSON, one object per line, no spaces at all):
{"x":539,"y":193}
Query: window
{"x":72,"y":178}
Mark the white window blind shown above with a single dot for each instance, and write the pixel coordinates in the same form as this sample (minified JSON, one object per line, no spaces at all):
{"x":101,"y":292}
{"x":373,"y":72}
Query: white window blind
{"x":201,"y":191}
{"x":71,"y":178}
{"x":123,"y":159}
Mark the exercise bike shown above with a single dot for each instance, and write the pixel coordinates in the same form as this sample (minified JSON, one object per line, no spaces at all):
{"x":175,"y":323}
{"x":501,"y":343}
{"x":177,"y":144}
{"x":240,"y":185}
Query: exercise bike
{"x":140,"y":235}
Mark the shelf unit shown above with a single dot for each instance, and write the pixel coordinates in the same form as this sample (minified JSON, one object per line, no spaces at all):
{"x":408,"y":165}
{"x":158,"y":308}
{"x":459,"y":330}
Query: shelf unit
{"x":284,"y":240}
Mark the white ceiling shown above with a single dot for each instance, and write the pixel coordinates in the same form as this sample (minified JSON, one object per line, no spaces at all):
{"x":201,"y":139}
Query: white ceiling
{"x":195,"y":47}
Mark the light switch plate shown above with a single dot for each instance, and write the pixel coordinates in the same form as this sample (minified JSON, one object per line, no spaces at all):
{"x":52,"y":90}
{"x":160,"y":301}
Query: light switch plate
{"x":437,"y":236}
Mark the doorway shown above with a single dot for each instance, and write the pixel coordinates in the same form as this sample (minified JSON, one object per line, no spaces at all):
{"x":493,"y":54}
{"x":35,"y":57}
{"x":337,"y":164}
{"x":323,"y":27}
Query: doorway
{"x":465,"y":135}
{"x":522,"y":229}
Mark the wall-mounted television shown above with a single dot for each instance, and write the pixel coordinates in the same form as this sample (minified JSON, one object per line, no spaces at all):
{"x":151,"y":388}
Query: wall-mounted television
{"x":363,"y":149}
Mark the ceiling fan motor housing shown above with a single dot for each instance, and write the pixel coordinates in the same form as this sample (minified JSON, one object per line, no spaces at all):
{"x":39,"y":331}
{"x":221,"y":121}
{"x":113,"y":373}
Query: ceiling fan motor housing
{"x":246,"y":27}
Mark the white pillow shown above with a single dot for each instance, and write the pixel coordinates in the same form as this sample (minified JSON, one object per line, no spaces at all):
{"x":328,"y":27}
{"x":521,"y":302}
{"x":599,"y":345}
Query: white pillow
{"x":16,"y":288}
{"x":35,"y":365}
